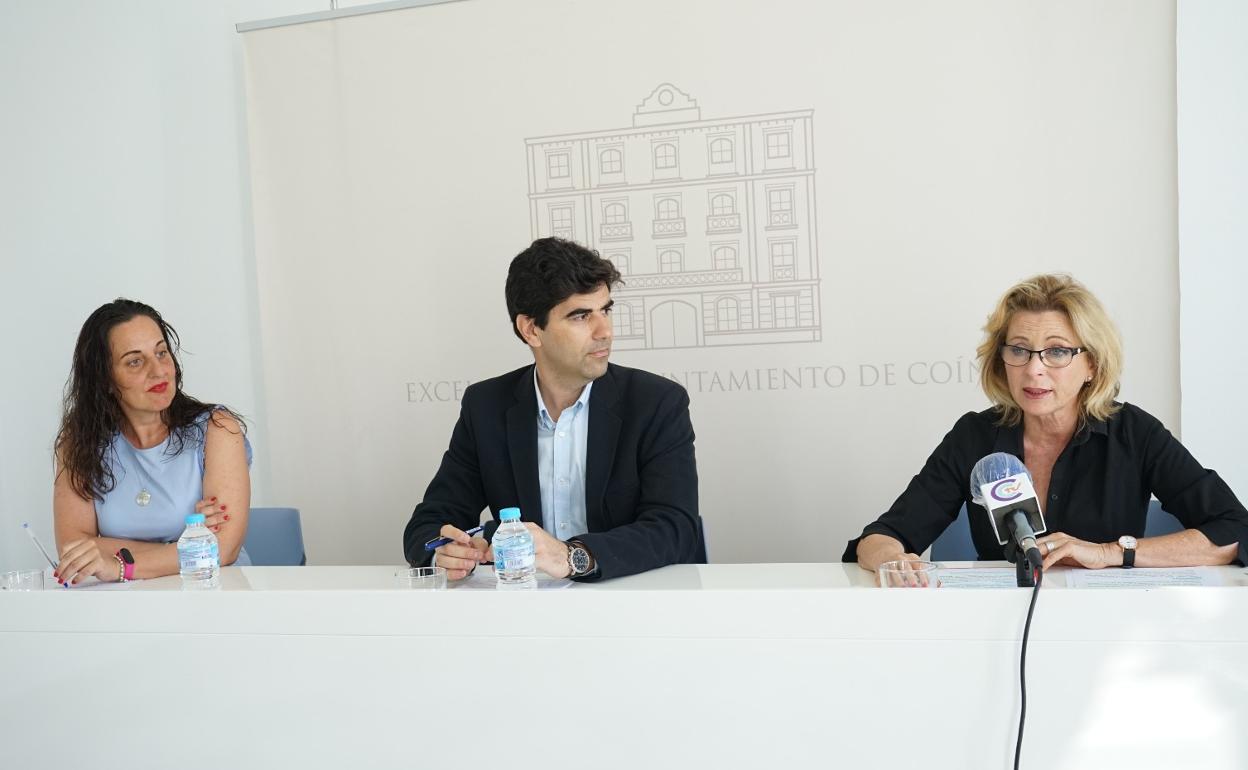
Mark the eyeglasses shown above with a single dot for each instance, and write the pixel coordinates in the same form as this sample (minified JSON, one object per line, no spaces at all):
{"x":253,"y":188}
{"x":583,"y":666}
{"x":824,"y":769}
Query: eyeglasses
{"x":1054,"y":358}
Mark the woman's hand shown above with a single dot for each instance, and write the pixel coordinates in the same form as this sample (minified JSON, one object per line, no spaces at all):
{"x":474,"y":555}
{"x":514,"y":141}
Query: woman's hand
{"x":874,"y":550}
{"x":1061,"y":548}
{"x":215,"y":514}
{"x":83,"y":558}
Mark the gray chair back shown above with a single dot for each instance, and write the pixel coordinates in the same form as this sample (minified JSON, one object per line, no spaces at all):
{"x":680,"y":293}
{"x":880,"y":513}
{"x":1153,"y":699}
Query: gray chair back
{"x":954,"y":544}
{"x":1160,"y":522}
{"x":275,"y":538}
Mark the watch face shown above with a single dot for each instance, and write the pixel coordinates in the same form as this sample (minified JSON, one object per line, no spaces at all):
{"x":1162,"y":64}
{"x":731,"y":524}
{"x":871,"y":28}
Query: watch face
{"x":580,"y":560}
{"x":1127,"y":542}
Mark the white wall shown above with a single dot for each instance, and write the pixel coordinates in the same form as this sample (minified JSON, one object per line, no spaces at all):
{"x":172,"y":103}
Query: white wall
{"x":1213,"y":232}
{"x":123,"y":174}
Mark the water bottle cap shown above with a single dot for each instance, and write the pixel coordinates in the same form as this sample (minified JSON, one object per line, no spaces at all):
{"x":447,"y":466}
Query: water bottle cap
{"x":509,"y":514}
{"x":195,"y":518}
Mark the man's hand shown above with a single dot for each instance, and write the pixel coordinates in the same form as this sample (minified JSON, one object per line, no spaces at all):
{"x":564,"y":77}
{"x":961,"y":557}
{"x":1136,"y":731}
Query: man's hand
{"x":552,"y":554}
{"x":462,"y":556}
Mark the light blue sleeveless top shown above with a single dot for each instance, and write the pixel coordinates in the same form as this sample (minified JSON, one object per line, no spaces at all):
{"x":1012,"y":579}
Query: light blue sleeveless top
{"x":175,"y":483}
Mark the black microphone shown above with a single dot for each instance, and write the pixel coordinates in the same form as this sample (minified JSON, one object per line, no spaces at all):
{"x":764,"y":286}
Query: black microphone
{"x":1023,"y":535}
{"x":1002,"y":485}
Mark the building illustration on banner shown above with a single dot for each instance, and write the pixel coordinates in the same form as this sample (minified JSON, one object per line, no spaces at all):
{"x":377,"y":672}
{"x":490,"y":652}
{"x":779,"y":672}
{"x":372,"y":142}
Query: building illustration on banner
{"x":711,"y":222}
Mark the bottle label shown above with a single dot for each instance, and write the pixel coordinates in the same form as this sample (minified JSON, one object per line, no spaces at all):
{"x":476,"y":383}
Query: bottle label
{"x":199,"y":557}
{"x":514,"y":559}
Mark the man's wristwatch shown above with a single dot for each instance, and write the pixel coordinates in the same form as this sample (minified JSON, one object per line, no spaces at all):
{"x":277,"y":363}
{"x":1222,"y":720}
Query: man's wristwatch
{"x":580,"y":560}
{"x":1128,"y":545}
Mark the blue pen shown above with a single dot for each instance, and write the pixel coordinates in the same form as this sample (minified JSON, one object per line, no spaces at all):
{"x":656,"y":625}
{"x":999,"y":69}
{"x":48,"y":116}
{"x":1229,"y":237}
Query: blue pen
{"x":437,"y":543}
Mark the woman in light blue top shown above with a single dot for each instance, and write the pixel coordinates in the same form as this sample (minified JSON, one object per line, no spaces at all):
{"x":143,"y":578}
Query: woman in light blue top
{"x":135,"y":455}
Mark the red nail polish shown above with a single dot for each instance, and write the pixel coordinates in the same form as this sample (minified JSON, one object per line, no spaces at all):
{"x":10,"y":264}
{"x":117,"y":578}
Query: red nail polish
{"x":224,"y":507}
{"x":227,"y":517}
{"x":214,"y":499}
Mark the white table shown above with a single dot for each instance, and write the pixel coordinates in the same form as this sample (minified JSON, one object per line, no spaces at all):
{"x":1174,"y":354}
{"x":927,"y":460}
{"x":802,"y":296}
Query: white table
{"x":768,"y":665}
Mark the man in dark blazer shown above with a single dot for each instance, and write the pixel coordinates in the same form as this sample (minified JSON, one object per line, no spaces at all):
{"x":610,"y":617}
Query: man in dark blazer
{"x":598,"y":458}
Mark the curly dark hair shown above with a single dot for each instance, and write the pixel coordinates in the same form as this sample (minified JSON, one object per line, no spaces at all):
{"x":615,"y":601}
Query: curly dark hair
{"x":549,"y":271}
{"x":92,"y":416}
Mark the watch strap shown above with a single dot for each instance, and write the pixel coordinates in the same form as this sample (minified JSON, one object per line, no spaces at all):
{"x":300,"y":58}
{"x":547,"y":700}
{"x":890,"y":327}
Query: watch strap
{"x":1128,"y":558}
{"x":126,"y":560}
{"x":573,"y":545}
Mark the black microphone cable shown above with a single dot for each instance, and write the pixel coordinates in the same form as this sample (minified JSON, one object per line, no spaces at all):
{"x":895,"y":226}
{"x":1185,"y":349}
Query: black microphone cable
{"x":1022,"y":665}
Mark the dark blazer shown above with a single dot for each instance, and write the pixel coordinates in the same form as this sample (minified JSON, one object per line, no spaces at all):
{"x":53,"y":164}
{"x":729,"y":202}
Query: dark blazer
{"x":641,"y":481}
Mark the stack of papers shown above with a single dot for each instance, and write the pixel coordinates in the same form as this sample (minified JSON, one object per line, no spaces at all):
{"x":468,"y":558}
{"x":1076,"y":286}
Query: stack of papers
{"x":1151,"y":577}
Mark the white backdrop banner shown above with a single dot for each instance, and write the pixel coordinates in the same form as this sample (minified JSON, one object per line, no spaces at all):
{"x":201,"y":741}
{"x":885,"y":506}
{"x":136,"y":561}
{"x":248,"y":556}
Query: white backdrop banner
{"x":815,"y":206}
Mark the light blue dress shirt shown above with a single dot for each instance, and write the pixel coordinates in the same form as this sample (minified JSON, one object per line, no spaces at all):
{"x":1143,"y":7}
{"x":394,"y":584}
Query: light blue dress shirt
{"x":561,"y":465}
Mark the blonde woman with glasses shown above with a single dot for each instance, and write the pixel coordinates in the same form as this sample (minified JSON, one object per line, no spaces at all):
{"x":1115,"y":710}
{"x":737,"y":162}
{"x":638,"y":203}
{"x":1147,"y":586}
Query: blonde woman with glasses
{"x":1050,"y":364}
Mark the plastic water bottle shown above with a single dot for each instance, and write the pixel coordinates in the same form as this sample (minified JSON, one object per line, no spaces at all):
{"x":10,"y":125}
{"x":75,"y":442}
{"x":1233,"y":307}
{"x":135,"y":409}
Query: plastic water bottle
{"x":514,"y":560}
{"x":199,"y":558}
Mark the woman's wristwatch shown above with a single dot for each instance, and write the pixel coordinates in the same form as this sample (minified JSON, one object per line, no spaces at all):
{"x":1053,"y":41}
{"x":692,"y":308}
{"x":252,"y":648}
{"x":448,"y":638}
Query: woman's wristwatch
{"x":1128,"y":545}
{"x":125,"y":565}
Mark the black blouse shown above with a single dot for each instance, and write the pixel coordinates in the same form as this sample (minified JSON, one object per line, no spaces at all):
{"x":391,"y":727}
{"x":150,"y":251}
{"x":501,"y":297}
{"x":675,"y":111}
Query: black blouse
{"x":1099,"y":489}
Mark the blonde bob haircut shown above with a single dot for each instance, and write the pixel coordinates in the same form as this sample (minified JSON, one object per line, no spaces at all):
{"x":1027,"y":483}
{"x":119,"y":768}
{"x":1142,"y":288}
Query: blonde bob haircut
{"x":1087,"y":316}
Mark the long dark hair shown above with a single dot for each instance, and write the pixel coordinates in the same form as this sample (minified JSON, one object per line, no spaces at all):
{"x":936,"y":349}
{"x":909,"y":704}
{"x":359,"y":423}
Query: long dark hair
{"x":92,"y":415}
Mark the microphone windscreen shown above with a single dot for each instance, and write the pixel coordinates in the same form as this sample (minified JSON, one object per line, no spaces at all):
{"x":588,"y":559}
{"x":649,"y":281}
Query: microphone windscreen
{"x":994,"y":467}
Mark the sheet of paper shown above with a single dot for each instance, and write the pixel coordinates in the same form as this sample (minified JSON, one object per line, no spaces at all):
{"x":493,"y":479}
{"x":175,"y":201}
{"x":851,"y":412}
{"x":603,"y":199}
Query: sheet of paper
{"x":1149,"y":577}
{"x":978,"y":577}
{"x":485,"y":580}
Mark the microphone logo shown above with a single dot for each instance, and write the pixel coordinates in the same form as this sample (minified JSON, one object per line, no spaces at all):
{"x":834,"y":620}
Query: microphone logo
{"x":1006,"y":490}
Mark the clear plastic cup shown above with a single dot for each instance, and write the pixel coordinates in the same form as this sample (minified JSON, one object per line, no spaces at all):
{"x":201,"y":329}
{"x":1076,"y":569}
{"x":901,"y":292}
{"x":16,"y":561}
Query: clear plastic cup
{"x":422,"y":578}
{"x":909,"y":573}
{"x":22,"y":580}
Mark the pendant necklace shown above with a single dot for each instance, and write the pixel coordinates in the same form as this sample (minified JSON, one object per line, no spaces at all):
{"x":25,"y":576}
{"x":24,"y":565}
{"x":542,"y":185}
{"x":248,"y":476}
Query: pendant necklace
{"x":144,"y":496}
